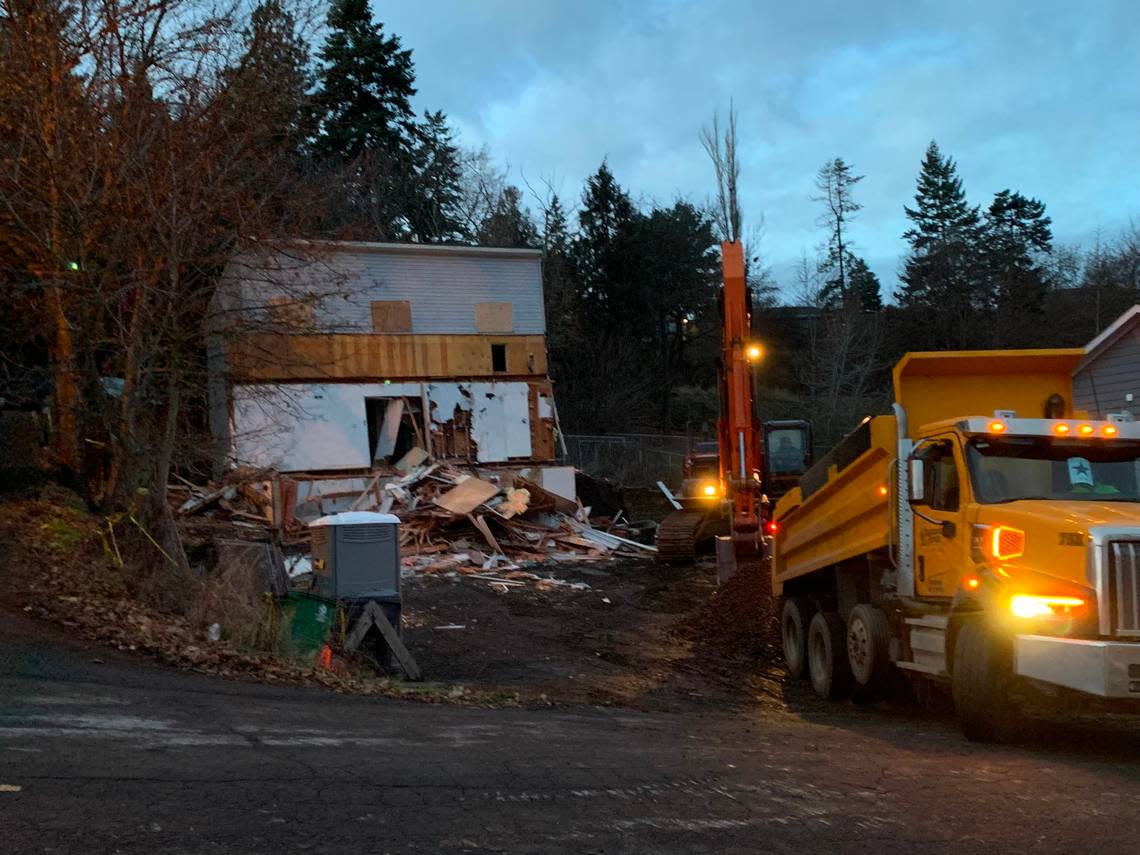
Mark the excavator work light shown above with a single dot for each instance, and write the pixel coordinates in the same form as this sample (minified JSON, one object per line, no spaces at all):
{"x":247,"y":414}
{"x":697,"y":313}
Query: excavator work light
{"x":754,"y":352}
{"x":709,"y":490}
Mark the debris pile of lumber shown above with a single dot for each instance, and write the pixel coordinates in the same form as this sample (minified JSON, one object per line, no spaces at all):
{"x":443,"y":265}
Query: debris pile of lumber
{"x":492,"y":524}
{"x":240,"y":506}
{"x":465,"y":520}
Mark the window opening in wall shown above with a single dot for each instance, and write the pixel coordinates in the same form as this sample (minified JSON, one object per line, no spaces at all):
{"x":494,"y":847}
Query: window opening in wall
{"x":499,"y":358}
{"x":394,"y":428}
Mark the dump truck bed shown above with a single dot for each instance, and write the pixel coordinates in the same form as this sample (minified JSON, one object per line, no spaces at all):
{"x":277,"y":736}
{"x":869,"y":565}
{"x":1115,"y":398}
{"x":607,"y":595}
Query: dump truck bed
{"x":841,"y":508}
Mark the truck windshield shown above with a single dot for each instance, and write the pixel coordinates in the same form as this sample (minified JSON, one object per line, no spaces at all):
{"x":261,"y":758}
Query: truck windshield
{"x":1010,"y":468}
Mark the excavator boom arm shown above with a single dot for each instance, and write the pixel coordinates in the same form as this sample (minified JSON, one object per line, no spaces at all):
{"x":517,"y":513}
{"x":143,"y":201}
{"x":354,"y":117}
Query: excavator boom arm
{"x":738,"y":431}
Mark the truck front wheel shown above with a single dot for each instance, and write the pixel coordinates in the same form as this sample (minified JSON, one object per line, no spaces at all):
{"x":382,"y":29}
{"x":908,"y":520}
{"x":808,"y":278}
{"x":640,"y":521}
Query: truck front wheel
{"x":983,"y":673}
{"x":794,"y":618}
{"x":827,"y":657}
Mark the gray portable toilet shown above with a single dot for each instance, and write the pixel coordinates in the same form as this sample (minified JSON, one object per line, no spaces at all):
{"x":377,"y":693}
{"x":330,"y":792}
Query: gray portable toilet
{"x":356,"y":556}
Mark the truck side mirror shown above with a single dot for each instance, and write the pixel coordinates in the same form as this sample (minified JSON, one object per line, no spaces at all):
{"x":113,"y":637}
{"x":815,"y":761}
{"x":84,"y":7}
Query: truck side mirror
{"x":916,"y":475}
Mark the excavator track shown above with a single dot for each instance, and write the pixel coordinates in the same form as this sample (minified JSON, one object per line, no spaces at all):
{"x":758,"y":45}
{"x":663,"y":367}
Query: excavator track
{"x":679,"y":534}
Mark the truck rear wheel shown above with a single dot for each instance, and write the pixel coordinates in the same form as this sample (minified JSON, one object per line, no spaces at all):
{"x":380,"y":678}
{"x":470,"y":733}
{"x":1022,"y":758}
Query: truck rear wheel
{"x":827,"y":657}
{"x":983,"y":673}
{"x":795,"y":615}
{"x":868,"y":646}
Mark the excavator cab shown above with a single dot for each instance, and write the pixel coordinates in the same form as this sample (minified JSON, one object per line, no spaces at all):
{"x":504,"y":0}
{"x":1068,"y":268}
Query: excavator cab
{"x":787,"y":455}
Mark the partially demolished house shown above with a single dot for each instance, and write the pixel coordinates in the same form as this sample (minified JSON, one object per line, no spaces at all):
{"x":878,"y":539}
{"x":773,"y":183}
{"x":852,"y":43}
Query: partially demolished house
{"x":338,"y":357}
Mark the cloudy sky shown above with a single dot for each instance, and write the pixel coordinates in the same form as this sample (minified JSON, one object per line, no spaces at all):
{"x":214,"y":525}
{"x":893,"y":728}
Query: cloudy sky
{"x":1039,"y":96}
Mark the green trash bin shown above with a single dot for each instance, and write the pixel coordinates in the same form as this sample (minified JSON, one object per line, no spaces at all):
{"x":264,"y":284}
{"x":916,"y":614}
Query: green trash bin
{"x":312,"y":617}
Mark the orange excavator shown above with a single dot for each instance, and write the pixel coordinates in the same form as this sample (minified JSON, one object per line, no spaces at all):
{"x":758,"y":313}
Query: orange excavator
{"x":746,"y":478}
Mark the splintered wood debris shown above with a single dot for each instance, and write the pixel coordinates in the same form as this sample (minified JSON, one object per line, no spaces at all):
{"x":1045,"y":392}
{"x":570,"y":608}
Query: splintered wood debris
{"x":491,"y":526}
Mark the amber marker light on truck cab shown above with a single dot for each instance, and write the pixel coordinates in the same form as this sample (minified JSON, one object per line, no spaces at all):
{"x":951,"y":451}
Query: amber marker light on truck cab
{"x":1006,"y":542}
{"x":1110,"y":430}
{"x":997,"y":427}
{"x":1061,"y":428}
{"x":1085,"y":430}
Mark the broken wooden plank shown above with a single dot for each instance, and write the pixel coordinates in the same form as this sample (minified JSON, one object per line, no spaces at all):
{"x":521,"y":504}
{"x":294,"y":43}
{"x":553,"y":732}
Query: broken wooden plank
{"x":402,"y":654}
{"x":355,"y":506}
{"x":485,"y":530}
{"x":197,"y":503}
{"x":467,"y":496}
{"x":389,"y":429}
{"x":412,"y":459}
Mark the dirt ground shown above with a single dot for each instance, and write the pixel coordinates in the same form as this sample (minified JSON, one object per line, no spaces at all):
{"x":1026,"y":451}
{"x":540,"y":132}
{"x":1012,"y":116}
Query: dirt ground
{"x":644,"y":635}
{"x":631,"y":633}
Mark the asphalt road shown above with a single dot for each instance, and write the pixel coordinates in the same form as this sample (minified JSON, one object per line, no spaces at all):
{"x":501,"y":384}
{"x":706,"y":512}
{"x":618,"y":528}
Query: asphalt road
{"x":100,"y":754}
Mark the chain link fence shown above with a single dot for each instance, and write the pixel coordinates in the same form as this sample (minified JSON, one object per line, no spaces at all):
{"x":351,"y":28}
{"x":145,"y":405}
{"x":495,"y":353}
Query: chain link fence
{"x":630,"y":460}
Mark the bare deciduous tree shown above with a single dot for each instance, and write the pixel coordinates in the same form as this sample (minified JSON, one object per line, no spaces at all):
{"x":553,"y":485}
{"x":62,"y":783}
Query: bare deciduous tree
{"x":131,"y":175}
{"x":721,"y":149}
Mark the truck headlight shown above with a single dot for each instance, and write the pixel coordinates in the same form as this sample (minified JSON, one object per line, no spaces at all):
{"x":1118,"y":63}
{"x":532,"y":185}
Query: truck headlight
{"x":1041,"y":607}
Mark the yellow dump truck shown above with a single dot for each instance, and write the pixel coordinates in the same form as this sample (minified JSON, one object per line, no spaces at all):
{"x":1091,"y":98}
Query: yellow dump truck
{"x":984,"y":534}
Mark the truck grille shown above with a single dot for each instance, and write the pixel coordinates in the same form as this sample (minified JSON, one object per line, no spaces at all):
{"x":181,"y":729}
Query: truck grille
{"x":1124,"y":586}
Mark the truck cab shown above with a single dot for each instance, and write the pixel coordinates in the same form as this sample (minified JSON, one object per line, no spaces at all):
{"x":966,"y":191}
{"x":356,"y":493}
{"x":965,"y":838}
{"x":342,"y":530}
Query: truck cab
{"x":984,"y":534}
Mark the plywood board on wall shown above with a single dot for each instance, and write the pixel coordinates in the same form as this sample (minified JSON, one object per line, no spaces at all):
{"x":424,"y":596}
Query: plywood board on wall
{"x":338,"y":356}
{"x":494,"y":317}
{"x":391,"y":316}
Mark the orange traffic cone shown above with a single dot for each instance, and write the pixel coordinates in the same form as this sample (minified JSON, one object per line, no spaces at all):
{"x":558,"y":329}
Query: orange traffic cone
{"x":325,"y":659}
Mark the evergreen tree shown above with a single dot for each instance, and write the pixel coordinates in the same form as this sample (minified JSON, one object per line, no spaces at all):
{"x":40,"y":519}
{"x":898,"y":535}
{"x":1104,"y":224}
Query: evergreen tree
{"x":435,"y":214}
{"x":555,"y":231}
{"x":1017,"y":234}
{"x":942,"y":272}
{"x":366,"y":132}
{"x":602,"y":253}
{"x":672,"y":286}
{"x":269,"y":86}
{"x":507,"y":223}
{"x":864,"y":285}
{"x":363,"y":104}
{"x":1017,"y":231}
{"x":559,"y":291}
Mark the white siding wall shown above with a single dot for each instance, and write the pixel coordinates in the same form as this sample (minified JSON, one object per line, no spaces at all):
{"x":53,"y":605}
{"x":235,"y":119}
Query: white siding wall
{"x":442,"y":288}
{"x":323,"y":426}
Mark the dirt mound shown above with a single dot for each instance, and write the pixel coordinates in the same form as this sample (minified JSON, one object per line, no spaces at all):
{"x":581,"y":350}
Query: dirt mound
{"x":739,"y":620}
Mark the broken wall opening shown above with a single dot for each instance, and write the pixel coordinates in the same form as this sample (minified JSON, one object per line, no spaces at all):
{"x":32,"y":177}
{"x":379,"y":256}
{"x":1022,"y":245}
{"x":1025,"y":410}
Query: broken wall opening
{"x":395,"y":426}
